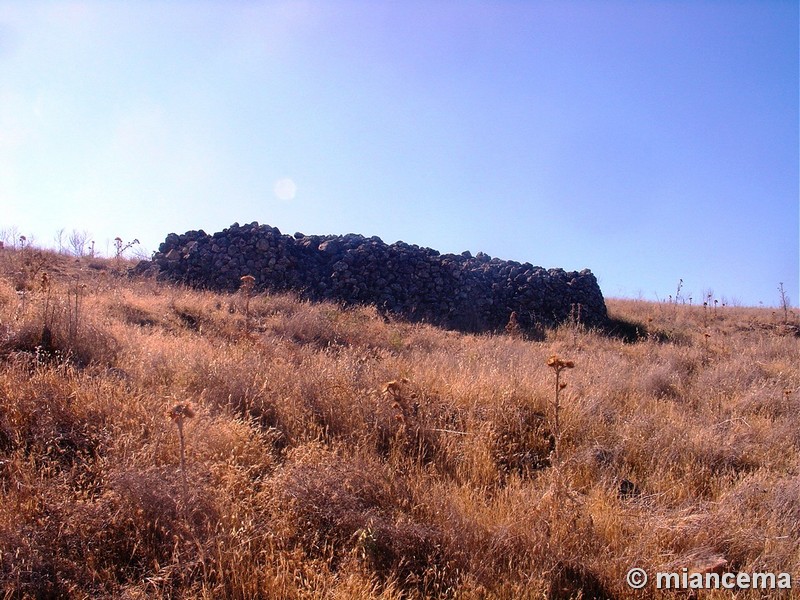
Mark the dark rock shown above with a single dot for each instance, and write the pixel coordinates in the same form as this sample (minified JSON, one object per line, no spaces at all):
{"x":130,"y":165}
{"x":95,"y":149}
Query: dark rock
{"x":628,"y":489}
{"x":330,"y":247}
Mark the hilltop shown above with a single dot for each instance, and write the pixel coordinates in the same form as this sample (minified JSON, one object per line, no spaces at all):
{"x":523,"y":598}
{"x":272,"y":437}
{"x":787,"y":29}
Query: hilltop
{"x":159,"y":441}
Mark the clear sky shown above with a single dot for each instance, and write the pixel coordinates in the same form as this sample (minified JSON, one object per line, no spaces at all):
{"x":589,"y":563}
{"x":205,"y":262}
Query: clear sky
{"x":646,"y":140}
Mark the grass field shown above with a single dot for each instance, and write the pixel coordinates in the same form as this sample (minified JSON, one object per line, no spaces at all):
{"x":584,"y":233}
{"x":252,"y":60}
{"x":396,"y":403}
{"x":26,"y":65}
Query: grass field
{"x":162,"y":442}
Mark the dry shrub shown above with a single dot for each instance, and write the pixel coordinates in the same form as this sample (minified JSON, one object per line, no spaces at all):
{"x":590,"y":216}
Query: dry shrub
{"x":90,"y":344}
{"x":352,"y":507}
{"x":662,"y":381}
{"x":330,"y":495}
{"x":408,"y":422}
{"x":152,"y":502}
{"x":523,"y":441}
{"x":766,"y":512}
{"x":521,"y":537}
{"x":136,"y":529}
{"x":58,"y":327}
{"x":230,"y":455}
{"x":235,"y":381}
{"x":26,"y":267}
{"x":315,"y":326}
{"x":8,"y":297}
{"x":27,"y":565}
{"x":39,"y":421}
{"x":326,"y":326}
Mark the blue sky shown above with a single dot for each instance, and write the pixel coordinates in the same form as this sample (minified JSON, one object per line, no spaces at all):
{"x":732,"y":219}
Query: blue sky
{"x":647,"y":141}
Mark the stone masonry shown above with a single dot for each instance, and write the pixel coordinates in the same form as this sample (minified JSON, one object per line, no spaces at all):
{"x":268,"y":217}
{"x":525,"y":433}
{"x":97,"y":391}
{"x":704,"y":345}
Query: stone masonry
{"x":457,"y":291}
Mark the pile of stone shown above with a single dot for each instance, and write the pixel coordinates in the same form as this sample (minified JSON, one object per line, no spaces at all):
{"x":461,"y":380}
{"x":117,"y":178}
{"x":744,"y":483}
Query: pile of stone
{"x":457,"y":291}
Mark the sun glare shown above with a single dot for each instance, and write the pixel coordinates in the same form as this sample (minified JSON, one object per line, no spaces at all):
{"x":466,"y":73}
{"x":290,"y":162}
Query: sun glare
{"x":285,"y":189}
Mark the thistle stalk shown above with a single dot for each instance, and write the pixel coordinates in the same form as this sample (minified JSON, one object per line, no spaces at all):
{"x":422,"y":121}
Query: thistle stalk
{"x":247,"y":284}
{"x":558,"y":365}
{"x":178,"y":413}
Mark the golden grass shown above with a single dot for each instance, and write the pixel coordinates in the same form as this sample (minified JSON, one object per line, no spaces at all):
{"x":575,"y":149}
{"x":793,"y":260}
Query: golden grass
{"x":333,"y":454}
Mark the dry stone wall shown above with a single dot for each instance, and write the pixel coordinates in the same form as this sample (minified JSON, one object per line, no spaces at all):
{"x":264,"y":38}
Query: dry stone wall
{"x":458,"y":291}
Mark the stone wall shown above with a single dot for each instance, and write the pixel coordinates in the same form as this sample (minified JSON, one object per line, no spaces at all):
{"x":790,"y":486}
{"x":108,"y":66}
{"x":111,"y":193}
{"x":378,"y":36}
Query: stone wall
{"x":457,"y":291}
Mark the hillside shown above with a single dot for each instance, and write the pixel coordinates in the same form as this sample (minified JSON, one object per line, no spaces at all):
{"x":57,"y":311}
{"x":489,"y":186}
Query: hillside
{"x":163,"y":442}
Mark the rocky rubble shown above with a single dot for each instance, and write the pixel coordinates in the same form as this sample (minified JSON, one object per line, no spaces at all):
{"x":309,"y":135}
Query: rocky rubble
{"x":464,"y":292}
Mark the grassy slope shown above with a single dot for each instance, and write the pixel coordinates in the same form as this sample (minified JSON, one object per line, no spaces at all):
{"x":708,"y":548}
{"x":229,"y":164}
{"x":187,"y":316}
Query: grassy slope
{"x":335,"y":455}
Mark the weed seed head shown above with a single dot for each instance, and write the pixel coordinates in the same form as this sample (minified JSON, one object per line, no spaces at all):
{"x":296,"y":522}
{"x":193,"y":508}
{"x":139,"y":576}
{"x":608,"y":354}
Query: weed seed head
{"x":181,"y":411}
{"x":248,"y":282}
{"x":558,"y":364}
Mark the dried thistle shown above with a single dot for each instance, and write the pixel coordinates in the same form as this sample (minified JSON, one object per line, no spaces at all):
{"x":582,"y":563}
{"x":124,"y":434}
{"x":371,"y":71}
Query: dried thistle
{"x":513,"y":327}
{"x":120,"y":247}
{"x":558,"y":364}
{"x":392,"y":388}
{"x":247,"y":285}
{"x":178,"y":413}
{"x":248,"y":282}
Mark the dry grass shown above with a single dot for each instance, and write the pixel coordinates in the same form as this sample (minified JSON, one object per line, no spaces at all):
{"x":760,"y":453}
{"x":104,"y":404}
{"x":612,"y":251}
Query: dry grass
{"x":336,"y":455}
